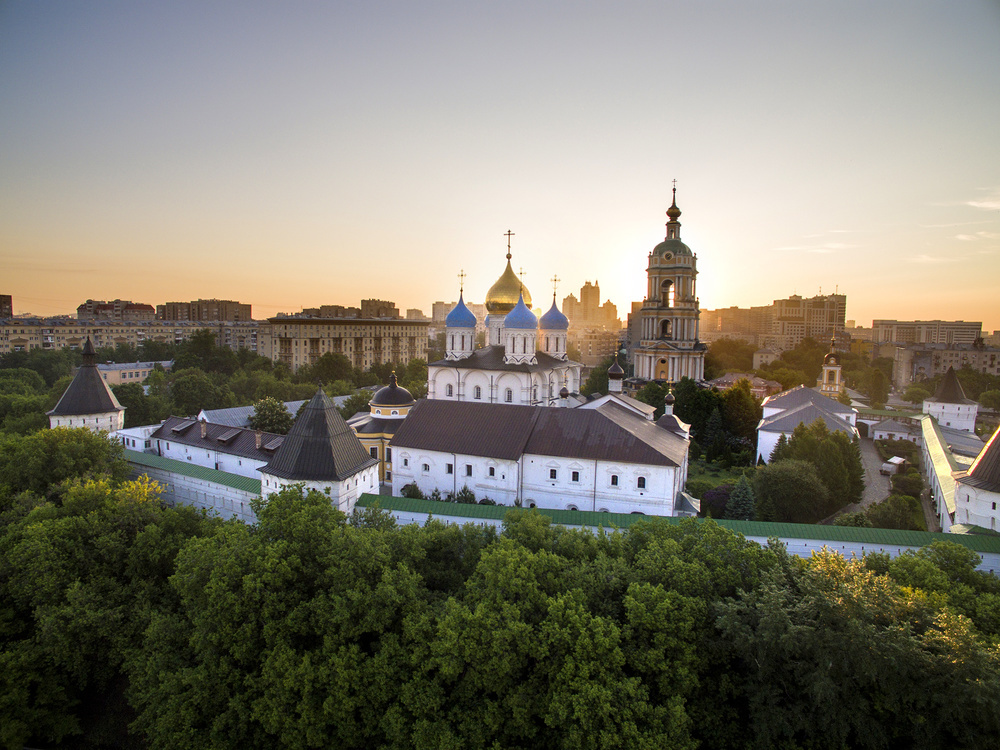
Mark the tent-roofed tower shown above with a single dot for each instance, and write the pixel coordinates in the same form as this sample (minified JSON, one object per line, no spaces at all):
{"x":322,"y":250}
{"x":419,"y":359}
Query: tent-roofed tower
{"x":88,"y":401}
{"x":950,"y":407}
{"x":324,"y":454}
{"x":669,"y":348}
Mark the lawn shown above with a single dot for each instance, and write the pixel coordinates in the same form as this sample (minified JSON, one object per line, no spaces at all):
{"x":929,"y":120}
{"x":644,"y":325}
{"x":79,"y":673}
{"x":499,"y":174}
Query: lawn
{"x":703,"y":476}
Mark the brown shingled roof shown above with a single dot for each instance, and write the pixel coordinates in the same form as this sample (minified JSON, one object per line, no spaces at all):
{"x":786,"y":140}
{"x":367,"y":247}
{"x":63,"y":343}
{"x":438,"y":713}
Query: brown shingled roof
{"x":608,"y":433}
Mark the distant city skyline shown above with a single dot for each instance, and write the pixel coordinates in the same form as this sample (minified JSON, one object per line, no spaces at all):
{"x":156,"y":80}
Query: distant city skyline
{"x":302,"y":155}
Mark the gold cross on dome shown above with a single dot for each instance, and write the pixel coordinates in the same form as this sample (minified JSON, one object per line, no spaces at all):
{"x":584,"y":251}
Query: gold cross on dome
{"x":508,"y":234}
{"x":555,"y":283}
{"x":461,"y":281}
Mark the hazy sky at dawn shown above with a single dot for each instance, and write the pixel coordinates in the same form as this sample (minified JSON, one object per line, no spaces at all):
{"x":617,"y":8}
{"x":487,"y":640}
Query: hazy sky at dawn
{"x":301,"y":153}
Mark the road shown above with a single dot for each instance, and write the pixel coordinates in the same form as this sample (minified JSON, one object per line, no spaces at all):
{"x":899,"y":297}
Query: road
{"x":876,"y":486}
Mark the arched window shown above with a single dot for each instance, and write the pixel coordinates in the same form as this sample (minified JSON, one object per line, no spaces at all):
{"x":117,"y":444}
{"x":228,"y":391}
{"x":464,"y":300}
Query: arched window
{"x":477,"y":392}
{"x":508,"y":396}
{"x":666,"y":330}
{"x":534,"y":393}
{"x":641,"y":483}
{"x":449,"y":391}
{"x":614,"y":480}
{"x":667,"y":293}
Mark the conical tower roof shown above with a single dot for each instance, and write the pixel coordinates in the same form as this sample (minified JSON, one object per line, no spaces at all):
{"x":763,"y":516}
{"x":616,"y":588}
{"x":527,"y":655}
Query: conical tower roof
{"x":950,"y":390}
{"x":89,"y":392}
{"x":319,"y":447}
{"x":985,"y":471}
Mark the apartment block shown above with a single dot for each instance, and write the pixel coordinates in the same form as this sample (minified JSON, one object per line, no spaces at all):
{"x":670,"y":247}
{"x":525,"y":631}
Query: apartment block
{"x":926,"y":331}
{"x":298,"y":341}
{"x":205,"y":310}
{"x":118,"y":309}
{"x":25,"y":334}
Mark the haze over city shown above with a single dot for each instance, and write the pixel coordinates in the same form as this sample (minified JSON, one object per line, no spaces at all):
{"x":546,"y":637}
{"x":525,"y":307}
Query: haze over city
{"x":296,"y":155}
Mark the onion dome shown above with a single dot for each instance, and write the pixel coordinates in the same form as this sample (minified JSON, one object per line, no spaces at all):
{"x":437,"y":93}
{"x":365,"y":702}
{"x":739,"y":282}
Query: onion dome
{"x":393,"y":394}
{"x":615,"y":372}
{"x":554,"y":320}
{"x":831,"y":357}
{"x":520,"y":318}
{"x":460,"y":316}
{"x":669,"y":398}
{"x":504,"y":294}
{"x":564,"y":392}
{"x":672,"y":245}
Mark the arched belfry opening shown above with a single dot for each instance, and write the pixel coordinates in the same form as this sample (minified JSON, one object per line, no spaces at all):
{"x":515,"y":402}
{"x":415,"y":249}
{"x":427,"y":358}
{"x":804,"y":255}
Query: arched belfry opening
{"x":666,"y":329}
{"x":667,"y":293}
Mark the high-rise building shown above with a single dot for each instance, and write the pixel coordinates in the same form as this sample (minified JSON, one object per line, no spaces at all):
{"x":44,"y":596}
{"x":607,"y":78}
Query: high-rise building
{"x":205,"y":310}
{"x":6,"y":306}
{"x":669,"y":347}
{"x":588,"y":312}
{"x":119,"y":309}
{"x":925,"y":331}
{"x":378,"y":308}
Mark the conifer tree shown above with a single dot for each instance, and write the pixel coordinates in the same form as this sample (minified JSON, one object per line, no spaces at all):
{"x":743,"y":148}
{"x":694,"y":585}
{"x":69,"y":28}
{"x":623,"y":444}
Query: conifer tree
{"x":742,"y":504}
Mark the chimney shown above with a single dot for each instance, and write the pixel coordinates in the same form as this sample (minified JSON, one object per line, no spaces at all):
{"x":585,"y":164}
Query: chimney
{"x":204,"y":429}
{"x":258,"y":438}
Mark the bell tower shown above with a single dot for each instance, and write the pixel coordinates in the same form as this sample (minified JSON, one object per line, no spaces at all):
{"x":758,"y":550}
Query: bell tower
{"x":669,"y":348}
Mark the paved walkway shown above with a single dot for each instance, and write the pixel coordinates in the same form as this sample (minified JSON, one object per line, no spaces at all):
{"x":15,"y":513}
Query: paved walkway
{"x":877,"y":486}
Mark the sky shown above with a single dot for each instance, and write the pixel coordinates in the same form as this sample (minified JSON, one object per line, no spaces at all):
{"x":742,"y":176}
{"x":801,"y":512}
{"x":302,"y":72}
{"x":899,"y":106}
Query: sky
{"x":305,"y":153}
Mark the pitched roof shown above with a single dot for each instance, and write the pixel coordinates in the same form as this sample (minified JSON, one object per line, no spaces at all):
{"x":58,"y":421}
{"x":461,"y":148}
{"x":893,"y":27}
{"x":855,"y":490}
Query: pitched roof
{"x":239,"y":416}
{"x":800,"y":395}
{"x":235,"y":441}
{"x":89,"y":392}
{"x":985,"y":471}
{"x":891,"y":425}
{"x":950,"y":390}
{"x":608,"y":433}
{"x":184,"y":468}
{"x":320,"y":446}
{"x":495,"y":430}
{"x":491,"y":358}
{"x":787,"y":421}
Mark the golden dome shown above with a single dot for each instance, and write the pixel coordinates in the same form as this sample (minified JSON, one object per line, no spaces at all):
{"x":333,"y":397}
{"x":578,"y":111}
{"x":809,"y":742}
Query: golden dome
{"x":503,"y":295}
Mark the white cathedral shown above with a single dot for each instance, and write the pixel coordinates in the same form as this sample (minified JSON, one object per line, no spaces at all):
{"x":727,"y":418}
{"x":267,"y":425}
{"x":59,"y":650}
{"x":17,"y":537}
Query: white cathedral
{"x":524,"y":362}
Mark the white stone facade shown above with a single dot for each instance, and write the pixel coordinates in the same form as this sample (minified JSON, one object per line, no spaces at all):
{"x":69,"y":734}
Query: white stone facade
{"x":109,"y":421}
{"x":210,"y":459}
{"x":956,"y":416}
{"x":343,"y":495}
{"x":544,"y":481}
{"x":500,"y":386}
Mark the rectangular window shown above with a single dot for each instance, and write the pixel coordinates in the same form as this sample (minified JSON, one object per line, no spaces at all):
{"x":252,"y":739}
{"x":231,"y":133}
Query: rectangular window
{"x":427,"y":467}
{"x":449,"y":468}
{"x":374,"y":451}
{"x":575,"y":476}
{"x":406,"y":462}
{"x":553,"y":474}
{"x":468,"y":470}
{"x":493,"y":472}
{"x":614,"y":480}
